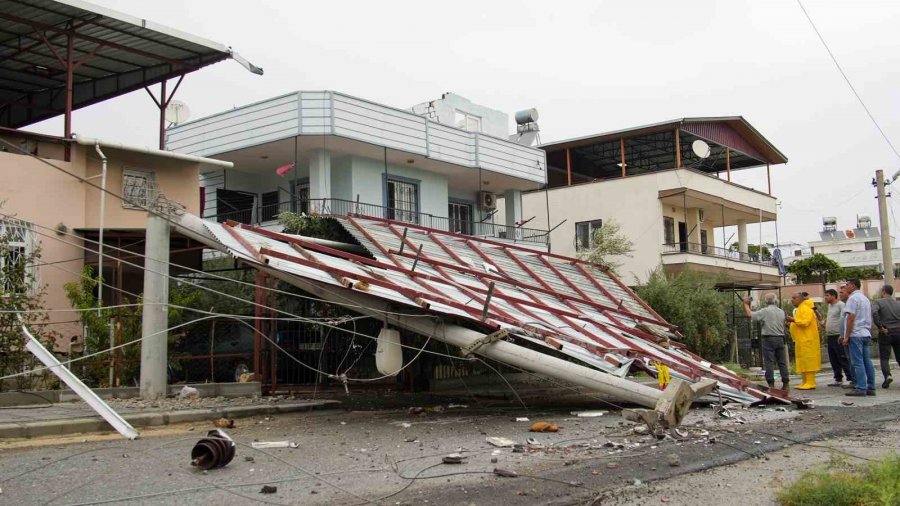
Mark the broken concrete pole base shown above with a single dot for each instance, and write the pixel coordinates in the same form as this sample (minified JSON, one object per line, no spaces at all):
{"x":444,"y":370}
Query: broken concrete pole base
{"x":672,"y":406}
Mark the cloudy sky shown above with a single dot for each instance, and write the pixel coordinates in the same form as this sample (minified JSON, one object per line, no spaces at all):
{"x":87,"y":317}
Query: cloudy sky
{"x":587,"y":66}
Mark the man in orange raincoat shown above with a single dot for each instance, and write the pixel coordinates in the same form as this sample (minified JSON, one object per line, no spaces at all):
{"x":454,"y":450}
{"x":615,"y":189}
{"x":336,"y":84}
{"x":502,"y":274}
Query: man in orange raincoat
{"x":807,"y":348}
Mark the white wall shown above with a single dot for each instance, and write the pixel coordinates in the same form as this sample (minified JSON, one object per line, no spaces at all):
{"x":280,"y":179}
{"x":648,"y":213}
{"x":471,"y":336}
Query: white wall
{"x":368,"y":177}
{"x":493,"y":122}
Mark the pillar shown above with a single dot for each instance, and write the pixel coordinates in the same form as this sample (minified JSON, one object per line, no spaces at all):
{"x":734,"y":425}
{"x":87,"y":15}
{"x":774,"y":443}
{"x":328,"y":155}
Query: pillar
{"x":155,"y":318}
{"x":692,"y":220}
{"x":319,"y":179}
{"x":512,"y":199}
{"x":742,"y":237}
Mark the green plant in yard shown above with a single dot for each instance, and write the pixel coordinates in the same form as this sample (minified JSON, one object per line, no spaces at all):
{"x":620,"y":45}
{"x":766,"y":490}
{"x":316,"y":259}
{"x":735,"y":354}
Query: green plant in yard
{"x":607,"y":243}
{"x":876,"y":484}
{"x":690,"y":301}
{"x":314,"y":226}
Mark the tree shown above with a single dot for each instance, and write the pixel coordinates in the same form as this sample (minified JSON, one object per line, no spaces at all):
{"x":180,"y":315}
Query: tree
{"x":606,"y":243}
{"x":815,"y":268}
{"x":21,"y":303}
{"x":690,"y":301}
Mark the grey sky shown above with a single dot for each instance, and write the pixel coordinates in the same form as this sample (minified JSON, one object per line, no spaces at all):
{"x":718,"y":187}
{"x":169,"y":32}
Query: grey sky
{"x":588,"y":67}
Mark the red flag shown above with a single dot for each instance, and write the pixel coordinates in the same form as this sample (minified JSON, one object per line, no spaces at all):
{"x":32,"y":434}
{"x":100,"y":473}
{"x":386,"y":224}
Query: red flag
{"x":281,"y":171}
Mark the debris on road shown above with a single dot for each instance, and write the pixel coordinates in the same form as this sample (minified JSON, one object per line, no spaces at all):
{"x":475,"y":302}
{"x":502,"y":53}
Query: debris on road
{"x":522,"y":419}
{"x":544,"y":427}
{"x":224,"y":423}
{"x":673,"y":460}
{"x":501,"y":442}
{"x":263,"y":445}
{"x":268,"y":489}
{"x":505,"y":473}
{"x":188,"y":393}
{"x":215,"y":450}
{"x":588,"y":414}
{"x":453,"y":458}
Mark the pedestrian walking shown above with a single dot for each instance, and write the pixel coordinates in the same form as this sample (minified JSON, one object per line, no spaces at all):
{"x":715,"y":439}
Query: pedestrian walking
{"x":772,"y":330}
{"x":886,"y":317}
{"x":807,"y":347}
{"x":858,"y":334}
{"x":837,"y":354}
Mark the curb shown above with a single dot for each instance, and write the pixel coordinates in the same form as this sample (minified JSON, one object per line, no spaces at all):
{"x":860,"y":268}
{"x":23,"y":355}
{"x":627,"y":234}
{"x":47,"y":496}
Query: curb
{"x":66,"y":426}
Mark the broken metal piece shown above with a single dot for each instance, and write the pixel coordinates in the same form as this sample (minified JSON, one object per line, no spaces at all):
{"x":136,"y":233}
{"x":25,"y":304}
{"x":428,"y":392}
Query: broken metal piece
{"x":505,"y":473}
{"x":215,"y":450}
{"x":478,"y":343}
{"x":453,"y":458}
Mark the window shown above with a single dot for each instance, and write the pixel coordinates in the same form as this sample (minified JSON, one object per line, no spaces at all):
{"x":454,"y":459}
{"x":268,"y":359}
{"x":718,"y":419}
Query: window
{"x":402,"y":200}
{"x":669,"y":230}
{"x":17,"y":237}
{"x":138,"y":189}
{"x":871,"y":245}
{"x":269,"y":209}
{"x":460,"y":215}
{"x":300,"y":191}
{"x":584,"y":233}
{"x":704,"y":242}
{"x":467,"y":121}
{"x":234,"y":205}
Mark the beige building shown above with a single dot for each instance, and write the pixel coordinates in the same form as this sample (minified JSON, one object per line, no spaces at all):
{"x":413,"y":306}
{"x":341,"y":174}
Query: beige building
{"x":669,"y":187}
{"x":45,"y":201}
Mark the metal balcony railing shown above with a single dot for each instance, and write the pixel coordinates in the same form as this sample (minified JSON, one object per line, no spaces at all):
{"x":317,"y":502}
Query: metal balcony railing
{"x":713,"y":251}
{"x":340,"y":207}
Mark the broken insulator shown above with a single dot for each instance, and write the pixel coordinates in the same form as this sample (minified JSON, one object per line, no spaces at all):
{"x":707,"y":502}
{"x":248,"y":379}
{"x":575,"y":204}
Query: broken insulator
{"x":215,"y":450}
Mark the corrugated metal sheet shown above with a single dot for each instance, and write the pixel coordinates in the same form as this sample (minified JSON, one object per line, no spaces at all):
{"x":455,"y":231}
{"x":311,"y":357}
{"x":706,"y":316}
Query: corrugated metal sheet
{"x":722,"y":133}
{"x":575,"y":308}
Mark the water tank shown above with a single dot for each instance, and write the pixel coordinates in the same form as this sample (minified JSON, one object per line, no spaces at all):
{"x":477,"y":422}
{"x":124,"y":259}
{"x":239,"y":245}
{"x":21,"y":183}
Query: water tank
{"x":526,"y":116}
{"x":829,"y":222}
{"x":863,"y":221}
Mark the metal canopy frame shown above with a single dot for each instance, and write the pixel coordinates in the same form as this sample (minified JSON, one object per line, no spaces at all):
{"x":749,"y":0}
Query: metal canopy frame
{"x":57,"y":56}
{"x":557,"y":303}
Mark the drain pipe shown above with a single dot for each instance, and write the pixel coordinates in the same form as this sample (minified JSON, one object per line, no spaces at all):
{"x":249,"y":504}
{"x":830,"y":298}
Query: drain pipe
{"x":100,"y":250}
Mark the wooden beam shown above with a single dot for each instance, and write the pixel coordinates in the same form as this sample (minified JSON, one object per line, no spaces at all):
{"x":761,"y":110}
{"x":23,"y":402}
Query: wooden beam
{"x":622,"y":151}
{"x":728,"y":162}
{"x":569,"y":166}
{"x":677,"y":148}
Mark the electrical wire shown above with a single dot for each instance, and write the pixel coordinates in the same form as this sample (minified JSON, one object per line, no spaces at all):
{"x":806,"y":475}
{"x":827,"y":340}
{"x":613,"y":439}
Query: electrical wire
{"x":847,"y":80}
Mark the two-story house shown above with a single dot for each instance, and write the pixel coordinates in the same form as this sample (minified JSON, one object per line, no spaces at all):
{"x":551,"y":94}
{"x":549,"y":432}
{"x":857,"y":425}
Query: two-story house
{"x":669,"y":187}
{"x":441,"y":164}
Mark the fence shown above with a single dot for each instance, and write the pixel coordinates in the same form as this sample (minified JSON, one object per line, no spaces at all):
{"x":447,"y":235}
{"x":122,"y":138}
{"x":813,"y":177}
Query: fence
{"x":713,"y":251}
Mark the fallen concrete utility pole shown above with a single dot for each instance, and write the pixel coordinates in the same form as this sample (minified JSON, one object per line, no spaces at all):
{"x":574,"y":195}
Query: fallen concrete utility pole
{"x":83,"y":391}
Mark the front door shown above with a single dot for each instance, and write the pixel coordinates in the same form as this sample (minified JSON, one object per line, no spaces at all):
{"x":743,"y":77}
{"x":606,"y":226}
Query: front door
{"x":682,"y":236}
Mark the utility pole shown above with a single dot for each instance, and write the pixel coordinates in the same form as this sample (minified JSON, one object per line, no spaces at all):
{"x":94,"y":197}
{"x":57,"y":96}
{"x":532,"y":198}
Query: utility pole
{"x":154,"y":347}
{"x":886,"y":257}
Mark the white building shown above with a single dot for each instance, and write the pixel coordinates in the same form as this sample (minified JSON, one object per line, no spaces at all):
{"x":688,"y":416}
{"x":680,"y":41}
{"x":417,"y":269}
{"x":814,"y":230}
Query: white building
{"x":669,"y":186}
{"x":439,"y":165}
{"x":859,"y":246}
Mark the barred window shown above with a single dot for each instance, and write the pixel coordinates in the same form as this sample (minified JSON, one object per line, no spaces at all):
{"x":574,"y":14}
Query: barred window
{"x":17,"y":245}
{"x":138,"y":188}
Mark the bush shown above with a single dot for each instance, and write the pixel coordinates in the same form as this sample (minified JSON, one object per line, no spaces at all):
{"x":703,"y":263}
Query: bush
{"x":839,"y":485}
{"x":690,"y":301}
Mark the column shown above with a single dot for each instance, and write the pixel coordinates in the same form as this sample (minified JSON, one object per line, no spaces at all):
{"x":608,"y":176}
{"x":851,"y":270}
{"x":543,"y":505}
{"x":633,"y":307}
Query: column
{"x":155,"y":318}
{"x":692,"y":220}
{"x":742,"y":238}
{"x":512,"y":199}
{"x":319,"y":180}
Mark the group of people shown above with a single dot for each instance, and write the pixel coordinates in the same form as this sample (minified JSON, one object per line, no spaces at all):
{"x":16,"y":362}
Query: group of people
{"x":848,"y":329}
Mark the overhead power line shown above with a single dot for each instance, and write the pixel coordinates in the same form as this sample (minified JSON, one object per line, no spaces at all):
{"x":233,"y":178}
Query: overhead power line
{"x":847,"y":79}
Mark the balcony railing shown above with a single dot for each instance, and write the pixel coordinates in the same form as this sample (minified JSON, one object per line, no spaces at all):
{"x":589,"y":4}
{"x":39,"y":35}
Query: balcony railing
{"x":339,"y":207}
{"x":708,"y":250}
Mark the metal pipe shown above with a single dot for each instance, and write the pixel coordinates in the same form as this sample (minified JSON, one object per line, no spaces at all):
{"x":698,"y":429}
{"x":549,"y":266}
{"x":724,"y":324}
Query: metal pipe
{"x":87,"y":141}
{"x":102,"y":220}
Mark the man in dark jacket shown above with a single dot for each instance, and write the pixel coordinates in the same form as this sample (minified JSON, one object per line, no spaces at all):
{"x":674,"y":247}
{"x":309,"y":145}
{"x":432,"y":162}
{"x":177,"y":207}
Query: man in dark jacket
{"x":886,"y":317}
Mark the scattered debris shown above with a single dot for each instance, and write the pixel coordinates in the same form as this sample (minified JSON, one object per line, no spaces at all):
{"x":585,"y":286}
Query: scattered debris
{"x":518,"y":448}
{"x":522,"y":419}
{"x":664,"y":498}
{"x":248,"y":459}
{"x":406,"y":425}
{"x":588,"y":414}
{"x":846,"y":403}
{"x":637,"y":482}
{"x":246,"y":377}
{"x":411,"y":440}
{"x":188,"y":393}
{"x":215,"y":450}
{"x":268,"y":489}
{"x":612,"y":465}
{"x":224,"y":423}
{"x":416,"y":411}
{"x":453,"y":458}
{"x":453,"y":406}
{"x":533,"y":442}
{"x":641,"y":430}
{"x":262,"y":445}
{"x":501,"y":442}
{"x":505,"y":473}
{"x":544,"y":427}
{"x":673,"y":460}
{"x":493,"y":460}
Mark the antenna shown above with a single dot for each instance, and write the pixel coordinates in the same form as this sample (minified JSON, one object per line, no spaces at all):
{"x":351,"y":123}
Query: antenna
{"x":177,"y":112}
{"x":701,"y":149}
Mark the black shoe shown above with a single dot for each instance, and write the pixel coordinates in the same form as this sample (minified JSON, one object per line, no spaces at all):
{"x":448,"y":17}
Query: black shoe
{"x":870,"y":393}
{"x":887,"y":382}
{"x":855,"y":393}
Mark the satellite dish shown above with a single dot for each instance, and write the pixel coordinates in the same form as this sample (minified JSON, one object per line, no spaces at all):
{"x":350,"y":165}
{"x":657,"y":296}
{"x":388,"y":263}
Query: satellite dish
{"x":177,"y":112}
{"x":850,"y":234}
{"x":701,"y":148}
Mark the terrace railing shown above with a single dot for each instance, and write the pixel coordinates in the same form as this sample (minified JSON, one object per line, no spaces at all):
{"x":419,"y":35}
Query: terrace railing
{"x":713,"y":251}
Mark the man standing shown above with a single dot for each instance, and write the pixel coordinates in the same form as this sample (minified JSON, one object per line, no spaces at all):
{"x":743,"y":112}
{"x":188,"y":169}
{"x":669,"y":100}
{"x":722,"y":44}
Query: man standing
{"x":858,"y":333}
{"x":772,"y":330}
{"x":886,"y":316}
{"x":807,"y":348}
{"x":837,"y":355}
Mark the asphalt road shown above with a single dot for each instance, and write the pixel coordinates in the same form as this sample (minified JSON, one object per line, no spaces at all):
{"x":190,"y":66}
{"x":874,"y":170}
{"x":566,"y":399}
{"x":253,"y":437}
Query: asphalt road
{"x":392,"y":457}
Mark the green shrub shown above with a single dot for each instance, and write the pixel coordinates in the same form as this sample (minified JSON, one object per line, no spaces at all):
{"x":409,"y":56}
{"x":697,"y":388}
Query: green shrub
{"x":875,"y":484}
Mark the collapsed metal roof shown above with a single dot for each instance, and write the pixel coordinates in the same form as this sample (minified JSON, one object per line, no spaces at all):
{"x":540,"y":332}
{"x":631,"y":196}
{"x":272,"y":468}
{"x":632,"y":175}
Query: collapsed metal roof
{"x":553,"y":303}
{"x":109,"y":54}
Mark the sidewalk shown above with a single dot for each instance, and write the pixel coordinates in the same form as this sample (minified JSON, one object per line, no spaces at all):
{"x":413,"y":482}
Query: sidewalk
{"x":77,"y":417}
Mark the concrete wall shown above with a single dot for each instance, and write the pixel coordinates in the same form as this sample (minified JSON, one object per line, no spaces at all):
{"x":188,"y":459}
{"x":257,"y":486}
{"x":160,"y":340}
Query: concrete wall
{"x":368,"y":182}
{"x":493,"y":122}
